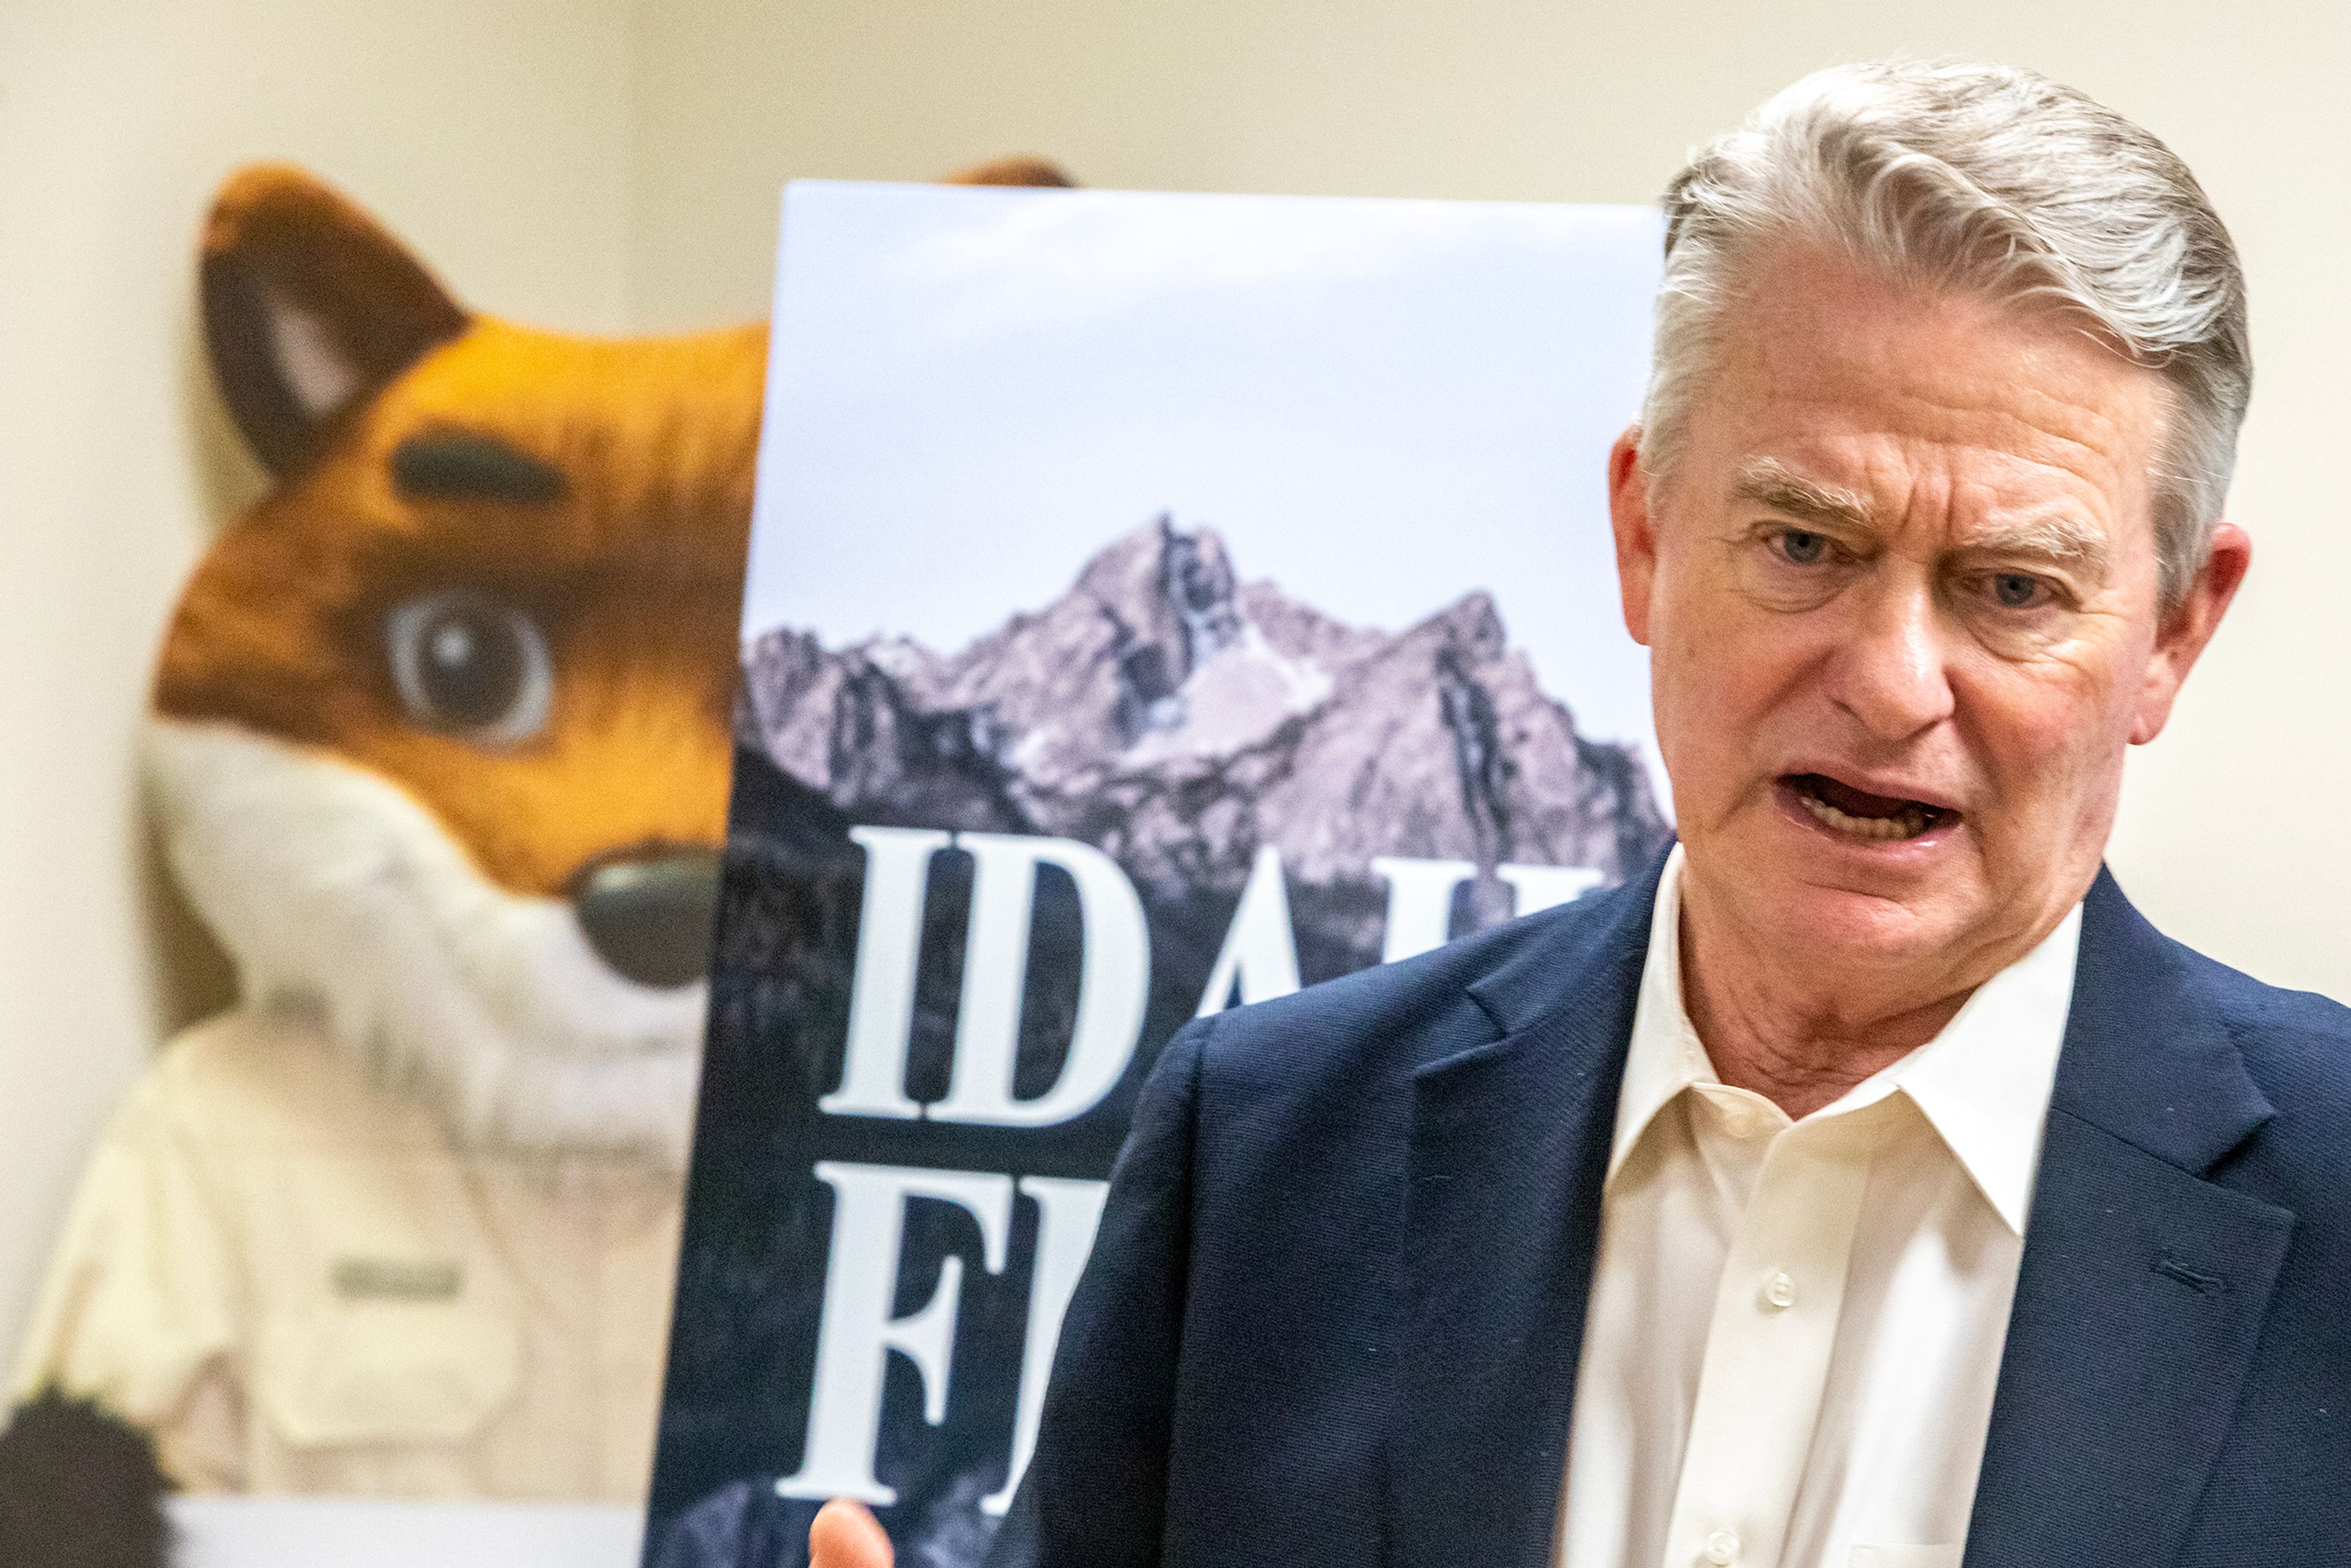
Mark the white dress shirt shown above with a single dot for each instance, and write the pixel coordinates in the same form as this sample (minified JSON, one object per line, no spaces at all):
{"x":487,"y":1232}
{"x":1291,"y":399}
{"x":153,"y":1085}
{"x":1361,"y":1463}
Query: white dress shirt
{"x":1795,"y":1326}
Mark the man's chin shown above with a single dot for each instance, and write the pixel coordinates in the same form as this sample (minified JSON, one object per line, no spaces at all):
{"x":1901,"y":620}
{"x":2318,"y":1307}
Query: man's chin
{"x":1834,"y":910}
{"x":1861,"y":931}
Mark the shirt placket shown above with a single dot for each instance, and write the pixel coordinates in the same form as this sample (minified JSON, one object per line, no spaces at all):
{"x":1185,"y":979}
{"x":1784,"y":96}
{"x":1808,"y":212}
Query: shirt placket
{"x":1768,"y":1348}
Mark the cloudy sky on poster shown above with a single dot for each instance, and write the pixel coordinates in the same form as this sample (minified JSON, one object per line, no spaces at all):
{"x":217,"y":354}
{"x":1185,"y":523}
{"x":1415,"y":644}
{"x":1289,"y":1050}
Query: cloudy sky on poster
{"x":1380,"y":405}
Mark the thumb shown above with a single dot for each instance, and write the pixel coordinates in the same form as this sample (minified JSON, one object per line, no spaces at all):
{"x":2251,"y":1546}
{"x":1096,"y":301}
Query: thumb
{"x":845,"y":1535}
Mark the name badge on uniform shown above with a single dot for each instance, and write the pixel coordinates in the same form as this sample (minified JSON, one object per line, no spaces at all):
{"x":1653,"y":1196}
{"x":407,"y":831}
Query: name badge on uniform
{"x":396,"y":1280}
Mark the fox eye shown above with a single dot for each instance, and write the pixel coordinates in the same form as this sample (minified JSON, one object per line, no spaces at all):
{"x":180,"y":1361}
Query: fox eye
{"x":471,"y":666}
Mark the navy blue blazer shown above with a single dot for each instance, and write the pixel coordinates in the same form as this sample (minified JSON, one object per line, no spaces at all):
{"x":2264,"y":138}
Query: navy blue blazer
{"x":1334,"y":1311}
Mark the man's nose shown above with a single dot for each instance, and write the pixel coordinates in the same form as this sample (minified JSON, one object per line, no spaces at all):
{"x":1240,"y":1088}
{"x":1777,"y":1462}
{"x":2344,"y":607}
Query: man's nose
{"x":1890,"y":672}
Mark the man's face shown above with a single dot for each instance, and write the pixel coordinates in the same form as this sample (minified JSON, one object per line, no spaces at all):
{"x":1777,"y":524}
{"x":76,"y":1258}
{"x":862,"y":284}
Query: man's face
{"x":1900,"y":587}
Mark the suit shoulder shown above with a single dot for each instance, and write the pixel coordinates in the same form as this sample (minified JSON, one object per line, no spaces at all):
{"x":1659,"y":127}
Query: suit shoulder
{"x":2297,"y":1047}
{"x":2300,"y":1033}
{"x":1397,"y":1017}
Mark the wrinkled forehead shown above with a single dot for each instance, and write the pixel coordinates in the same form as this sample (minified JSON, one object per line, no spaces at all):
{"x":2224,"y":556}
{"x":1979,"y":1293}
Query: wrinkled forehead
{"x":1894,"y":398}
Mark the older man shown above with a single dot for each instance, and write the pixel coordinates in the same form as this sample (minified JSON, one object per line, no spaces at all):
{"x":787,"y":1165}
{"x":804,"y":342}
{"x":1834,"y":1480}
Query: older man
{"x":1868,"y":1184}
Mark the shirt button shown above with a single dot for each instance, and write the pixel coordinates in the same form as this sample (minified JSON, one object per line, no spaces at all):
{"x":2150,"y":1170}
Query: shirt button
{"x":1722,"y":1549}
{"x":1778,"y":1291}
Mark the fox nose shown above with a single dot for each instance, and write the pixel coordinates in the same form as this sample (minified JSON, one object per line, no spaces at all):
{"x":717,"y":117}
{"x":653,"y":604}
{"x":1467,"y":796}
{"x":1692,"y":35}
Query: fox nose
{"x":648,"y":913}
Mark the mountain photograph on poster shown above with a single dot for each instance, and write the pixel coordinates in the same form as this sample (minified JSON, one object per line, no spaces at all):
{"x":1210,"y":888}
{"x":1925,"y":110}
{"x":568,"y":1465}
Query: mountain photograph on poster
{"x":1179,"y":720}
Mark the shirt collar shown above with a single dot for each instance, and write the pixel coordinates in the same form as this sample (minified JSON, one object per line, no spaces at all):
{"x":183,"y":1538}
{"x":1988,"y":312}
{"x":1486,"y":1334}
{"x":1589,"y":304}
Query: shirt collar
{"x":1667,"y":1056}
{"x":1983,"y":1083}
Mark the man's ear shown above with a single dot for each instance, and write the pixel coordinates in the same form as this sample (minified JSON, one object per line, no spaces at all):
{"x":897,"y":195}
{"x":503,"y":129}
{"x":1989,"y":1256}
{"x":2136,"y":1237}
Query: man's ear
{"x":1635,"y":530}
{"x":309,"y":308}
{"x":2188,"y":627}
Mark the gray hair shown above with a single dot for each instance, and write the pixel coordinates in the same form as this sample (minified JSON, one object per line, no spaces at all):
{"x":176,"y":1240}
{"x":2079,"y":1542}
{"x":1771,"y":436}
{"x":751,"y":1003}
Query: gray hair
{"x":1988,"y":179}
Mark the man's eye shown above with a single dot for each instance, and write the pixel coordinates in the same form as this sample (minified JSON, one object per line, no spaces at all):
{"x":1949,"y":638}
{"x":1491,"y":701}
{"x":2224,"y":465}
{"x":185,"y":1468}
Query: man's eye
{"x":1803,"y":547}
{"x":2018,"y":590}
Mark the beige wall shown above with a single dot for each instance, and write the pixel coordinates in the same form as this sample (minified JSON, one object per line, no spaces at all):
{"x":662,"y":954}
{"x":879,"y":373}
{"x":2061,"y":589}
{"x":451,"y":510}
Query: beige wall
{"x":594,"y":163}
{"x":493,"y":136}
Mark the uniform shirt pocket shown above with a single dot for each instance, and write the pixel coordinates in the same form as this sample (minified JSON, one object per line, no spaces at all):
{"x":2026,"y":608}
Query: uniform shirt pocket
{"x":399,"y":1371}
{"x":1904,"y":1557}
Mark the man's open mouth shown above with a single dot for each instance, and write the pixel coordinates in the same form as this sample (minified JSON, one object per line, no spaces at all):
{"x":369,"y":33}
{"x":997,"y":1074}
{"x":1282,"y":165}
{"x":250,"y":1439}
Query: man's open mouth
{"x":1859,"y":815}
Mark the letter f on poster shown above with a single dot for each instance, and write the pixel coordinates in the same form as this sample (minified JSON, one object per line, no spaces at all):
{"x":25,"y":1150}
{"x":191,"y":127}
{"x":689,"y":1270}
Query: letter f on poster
{"x":857,"y":1333}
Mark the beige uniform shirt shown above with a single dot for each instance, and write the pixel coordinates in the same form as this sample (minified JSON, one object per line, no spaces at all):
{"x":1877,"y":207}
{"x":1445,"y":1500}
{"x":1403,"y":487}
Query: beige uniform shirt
{"x":288,"y":1275}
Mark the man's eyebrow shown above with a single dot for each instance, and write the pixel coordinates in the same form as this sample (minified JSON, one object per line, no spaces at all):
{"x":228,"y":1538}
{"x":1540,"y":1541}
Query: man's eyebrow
{"x":1768,"y":482}
{"x":2056,"y":535}
{"x":452,"y":464}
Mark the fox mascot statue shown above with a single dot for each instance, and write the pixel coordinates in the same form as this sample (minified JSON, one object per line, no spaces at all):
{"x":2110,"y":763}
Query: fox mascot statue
{"x":440,"y":747}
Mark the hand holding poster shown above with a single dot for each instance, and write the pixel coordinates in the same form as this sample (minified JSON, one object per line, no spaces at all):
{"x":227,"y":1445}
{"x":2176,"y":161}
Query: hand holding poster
{"x":1155,"y":603}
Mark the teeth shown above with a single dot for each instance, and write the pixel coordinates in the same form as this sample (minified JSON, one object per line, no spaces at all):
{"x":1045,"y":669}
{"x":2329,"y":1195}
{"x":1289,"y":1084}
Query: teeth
{"x":1908,"y":824}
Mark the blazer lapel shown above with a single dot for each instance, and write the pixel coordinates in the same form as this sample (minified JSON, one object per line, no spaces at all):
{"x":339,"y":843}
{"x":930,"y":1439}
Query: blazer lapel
{"x":2144,"y":1285}
{"x":1509,"y":1146}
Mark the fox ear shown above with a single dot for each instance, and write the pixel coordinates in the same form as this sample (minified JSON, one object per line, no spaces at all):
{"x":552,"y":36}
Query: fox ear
{"x":1020,"y":169}
{"x":309,"y":308}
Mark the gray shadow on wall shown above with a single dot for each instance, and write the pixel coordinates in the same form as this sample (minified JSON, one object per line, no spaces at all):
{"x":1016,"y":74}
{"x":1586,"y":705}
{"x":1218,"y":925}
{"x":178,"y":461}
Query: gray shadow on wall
{"x":192,"y":977}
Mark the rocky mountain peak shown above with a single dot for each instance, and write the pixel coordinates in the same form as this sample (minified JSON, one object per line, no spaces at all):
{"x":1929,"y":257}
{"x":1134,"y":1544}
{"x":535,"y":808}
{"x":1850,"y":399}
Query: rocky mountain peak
{"x":1172,"y":603}
{"x":1179,"y":719}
